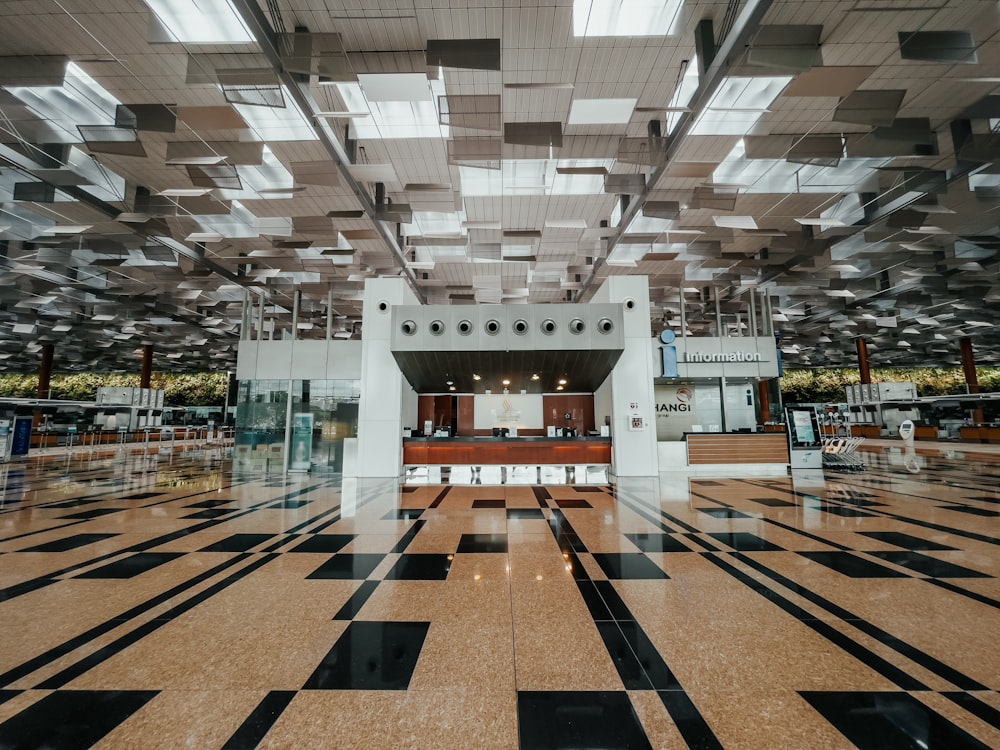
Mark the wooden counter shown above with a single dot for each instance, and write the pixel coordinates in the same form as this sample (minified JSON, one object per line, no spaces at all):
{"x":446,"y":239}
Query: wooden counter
{"x":981,"y":433}
{"x":526,"y":451}
{"x":736,"y":448}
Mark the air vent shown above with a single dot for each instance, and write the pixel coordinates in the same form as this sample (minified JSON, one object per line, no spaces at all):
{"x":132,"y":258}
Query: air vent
{"x":408,"y":327}
{"x":436,"y":327}
{"x":492,"y":327}
{"x":465,"y":327}
{"x":605,"y":325}
{"x":520,"y":326}
{"x":548,"y":326}
{"x":577,"y":326}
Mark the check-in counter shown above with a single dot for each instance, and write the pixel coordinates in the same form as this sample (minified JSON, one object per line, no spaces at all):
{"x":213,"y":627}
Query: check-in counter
{"x":981,"y":433}
{"x":506,"y":451}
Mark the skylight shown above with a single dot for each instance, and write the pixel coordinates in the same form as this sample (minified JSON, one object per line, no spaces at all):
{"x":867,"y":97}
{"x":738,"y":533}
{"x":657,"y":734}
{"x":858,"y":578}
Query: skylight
{"x":416,"y":117}
{"x":683,"y":93}
{"x":625,"y":17}
{"x":534,"y":177}
{"x":201,"y":21}
{"x":79,"y":101}
{"x":738,"y":104}
{"x":278,"y":123}
{"x":601,"y":111}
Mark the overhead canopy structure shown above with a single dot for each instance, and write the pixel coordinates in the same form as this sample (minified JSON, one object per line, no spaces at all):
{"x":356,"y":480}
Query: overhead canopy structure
{"x":163,"y":162}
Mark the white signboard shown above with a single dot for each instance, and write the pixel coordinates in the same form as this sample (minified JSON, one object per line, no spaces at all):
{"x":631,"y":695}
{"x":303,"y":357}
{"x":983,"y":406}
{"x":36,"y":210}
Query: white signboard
{"x":522,"y":410}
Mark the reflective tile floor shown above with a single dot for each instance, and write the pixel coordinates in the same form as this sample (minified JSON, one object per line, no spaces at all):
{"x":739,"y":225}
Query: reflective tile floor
{"x":161,"y":602}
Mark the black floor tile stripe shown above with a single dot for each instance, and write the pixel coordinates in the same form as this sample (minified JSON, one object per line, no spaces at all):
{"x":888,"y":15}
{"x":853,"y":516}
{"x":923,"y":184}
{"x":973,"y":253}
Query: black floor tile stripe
{"x":542,"y":496}
{"x":60,"y":679}
{"x":405,"y":540}
{"x":639,"y":664}
{"x":779,"y":524}
{"x":353,"y":605}
{"x":976,"y":707}
{"x":974,"y":595}
{"x":876,"y":721}
{"x":440,"y":496}
{"x":912,"y":653}
{"x":904,"y":519}
{"x":906,"y":650}
{"x":84,"y":717}
{"x":883,"y":667}
{"x":28,"y":586}
{"x":57,"y":652}
{"x":260,"y":721}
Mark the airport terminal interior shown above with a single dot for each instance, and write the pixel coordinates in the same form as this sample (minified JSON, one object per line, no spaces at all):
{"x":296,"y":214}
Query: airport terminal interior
{"x":505,"y":292}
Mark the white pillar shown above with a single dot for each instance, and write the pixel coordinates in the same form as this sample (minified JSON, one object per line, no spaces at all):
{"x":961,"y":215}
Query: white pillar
{"x":380,"y":411}
{"x":633,"y":453}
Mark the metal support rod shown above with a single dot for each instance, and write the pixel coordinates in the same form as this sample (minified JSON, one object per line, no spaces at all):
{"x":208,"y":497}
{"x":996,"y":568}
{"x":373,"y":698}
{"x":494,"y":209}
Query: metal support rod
{"x":739,"y":325}
{"x":684,"y":326}
{"x":718,"y":313}
{"x":288,"y":430}
{"x":260,"y":319}
{"x":296,"y":304}
{"x":752,"y":300}
{"x":329,"y":314}
{"x":245,"y":318}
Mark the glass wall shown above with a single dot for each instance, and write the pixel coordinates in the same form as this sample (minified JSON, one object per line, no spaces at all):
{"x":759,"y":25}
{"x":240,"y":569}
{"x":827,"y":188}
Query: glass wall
{"x":262,"y":421}
{"x":334,"y":408}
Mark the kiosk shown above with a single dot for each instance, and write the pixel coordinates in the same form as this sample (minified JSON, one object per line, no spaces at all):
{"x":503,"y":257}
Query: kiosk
{"x":805,"y":444}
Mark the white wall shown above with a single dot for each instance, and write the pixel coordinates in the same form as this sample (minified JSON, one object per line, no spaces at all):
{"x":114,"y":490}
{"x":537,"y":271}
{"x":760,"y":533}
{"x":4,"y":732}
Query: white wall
{"x":490,"y":410}
{"x":633,"y":453}
{"x":380,"y":412}
{"x":298,"y":360}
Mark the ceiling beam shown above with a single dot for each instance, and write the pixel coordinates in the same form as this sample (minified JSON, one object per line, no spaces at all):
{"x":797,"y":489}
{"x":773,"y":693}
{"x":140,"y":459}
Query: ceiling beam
{"x":262,"y":32}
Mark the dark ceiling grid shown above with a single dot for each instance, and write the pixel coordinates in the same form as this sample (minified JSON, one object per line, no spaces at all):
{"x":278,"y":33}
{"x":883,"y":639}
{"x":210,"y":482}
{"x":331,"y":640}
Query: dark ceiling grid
{"x":907,"y":257}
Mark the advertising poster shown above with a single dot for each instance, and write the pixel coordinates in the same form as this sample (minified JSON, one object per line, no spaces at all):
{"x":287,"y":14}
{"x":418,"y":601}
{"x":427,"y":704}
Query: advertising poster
{"x":301,"y":446}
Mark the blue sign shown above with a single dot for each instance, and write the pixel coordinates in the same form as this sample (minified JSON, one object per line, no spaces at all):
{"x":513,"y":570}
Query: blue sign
{"x":668,"y":354}
{"x":21,"y":440}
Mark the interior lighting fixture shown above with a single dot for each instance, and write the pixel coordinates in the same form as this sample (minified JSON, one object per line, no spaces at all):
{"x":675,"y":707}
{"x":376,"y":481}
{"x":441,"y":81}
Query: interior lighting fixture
{"x":562,"y":381}
{"x":476,"y":377}
{"x":535,"y":376}
{"x":506,"y":381}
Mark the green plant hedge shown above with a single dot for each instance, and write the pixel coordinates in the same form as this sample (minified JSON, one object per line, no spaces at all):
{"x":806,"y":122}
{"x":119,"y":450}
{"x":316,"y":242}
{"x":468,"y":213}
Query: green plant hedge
{"x":209,"y":388}
{"x":822,"y":386}
{"x":201,"y":389}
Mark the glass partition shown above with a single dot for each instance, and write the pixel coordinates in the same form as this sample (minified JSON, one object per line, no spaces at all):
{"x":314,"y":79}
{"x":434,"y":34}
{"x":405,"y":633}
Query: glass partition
{"x":262,"y":414}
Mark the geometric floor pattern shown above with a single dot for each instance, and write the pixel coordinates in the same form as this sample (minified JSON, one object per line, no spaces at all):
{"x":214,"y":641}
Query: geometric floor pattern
{"x":162,"y":602}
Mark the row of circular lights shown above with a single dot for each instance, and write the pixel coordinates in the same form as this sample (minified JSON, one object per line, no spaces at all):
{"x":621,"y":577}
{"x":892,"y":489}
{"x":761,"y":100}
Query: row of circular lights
{"x":520,"y":327}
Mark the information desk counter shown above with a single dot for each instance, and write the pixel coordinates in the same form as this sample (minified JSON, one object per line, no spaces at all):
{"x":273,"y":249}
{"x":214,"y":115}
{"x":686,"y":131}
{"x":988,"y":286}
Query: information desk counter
{"x":506,"y":451}
{"x":736,"y":448}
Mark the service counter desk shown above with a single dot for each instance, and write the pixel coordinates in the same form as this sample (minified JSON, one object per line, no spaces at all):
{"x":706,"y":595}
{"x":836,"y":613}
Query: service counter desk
{"x":726,"y":454}
{"x":981,"y":433}
{"x":506,"y":451}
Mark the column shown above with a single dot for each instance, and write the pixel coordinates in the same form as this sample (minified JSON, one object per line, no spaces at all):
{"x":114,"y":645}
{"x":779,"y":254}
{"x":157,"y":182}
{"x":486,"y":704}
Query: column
{"x":969,"y":365}
{"x":862,"y":345}
{"x":145,"y":375}
{"x":44,"y":380}
{"x":971,"y":378}
{"x":764,"y":400}
{"x":634,"y":453}
{"x":45,"y":371}
{"x":385,"y":394}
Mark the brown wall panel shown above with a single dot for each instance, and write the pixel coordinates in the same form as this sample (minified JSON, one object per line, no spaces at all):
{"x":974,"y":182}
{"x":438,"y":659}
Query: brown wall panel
{"x":466,"y":415}
{"x":425,"y":411}
{"x":581,"y":406}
